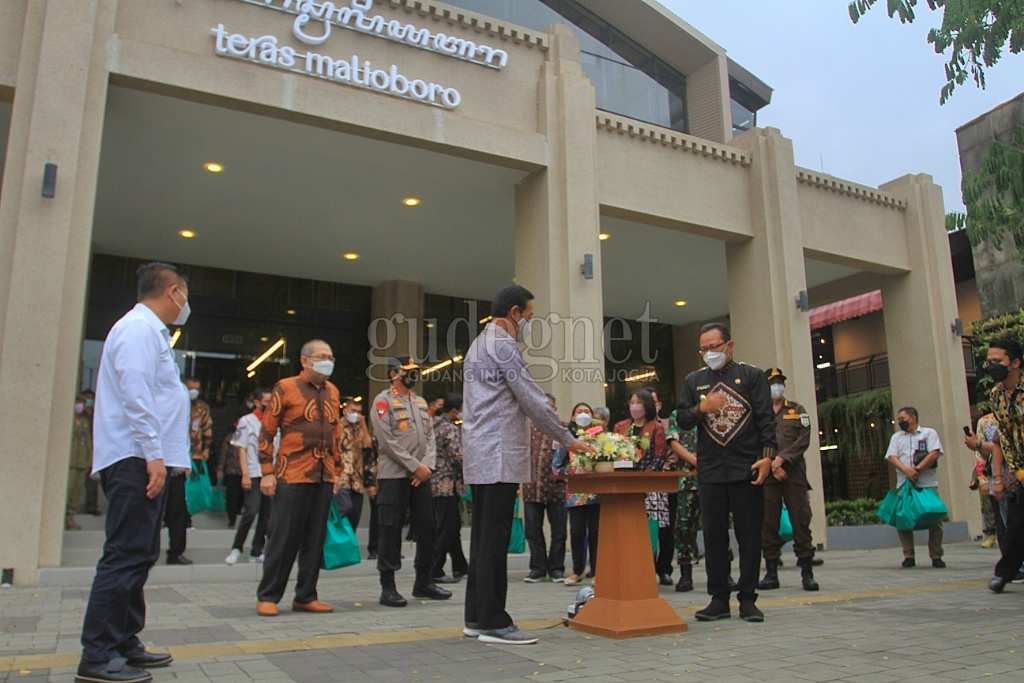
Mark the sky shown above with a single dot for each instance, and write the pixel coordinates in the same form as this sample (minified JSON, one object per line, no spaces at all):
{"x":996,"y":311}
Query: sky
{"x":860,"y":102}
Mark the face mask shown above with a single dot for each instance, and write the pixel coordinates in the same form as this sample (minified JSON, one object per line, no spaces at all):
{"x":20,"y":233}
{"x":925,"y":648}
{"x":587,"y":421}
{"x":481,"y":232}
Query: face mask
{"x":89,"y":403}
{"x":998,"y":372}
{"x":183,"y":312}
{"x":79,"y":409}
{"x":714,"y":359}
{"x":778,"y":391}
{"x":903,"y":425}
{"x":637,"y":410}
{"x":249,"y":405}
{"x":408,"y":381}
{"x":525,"y":328}
{"x":352,"y":417}
{"x":583,"y":420}
{"x":193,"y":394}
{"x":324,"y":367}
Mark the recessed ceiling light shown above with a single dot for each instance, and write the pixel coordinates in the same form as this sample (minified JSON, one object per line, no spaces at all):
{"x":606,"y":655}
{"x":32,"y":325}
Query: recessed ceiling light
{"x":680,"y":303}
{"x":187,"y":234}
{"x":351,"y":256}
{"x":264,"y":338}
{"x":603,"y":236}
{"x":290,"y":311}
{"x":411,"y":201}
{"x":213,"y":167}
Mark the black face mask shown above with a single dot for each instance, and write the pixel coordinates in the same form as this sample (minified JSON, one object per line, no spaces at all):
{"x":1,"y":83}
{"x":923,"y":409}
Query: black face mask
{"x":408,"y":380}
{"x":904,"y":425}
{"x":998,"y":372}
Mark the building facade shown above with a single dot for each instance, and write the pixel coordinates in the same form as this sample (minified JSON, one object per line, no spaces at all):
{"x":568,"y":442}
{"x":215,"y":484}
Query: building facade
{"x":384,"y":164}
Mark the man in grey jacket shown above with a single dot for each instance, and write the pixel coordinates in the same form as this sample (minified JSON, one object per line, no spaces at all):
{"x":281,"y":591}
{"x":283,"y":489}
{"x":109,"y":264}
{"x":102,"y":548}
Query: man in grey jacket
{"x":500,"y":399}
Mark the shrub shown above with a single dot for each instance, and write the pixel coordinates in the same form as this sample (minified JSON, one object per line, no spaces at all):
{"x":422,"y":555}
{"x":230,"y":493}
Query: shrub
{"x":859,"y":512}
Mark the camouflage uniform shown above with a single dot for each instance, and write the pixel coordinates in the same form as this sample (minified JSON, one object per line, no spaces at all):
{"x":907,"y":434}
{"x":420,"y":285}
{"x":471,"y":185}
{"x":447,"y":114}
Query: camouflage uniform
{"x":688,"y":512}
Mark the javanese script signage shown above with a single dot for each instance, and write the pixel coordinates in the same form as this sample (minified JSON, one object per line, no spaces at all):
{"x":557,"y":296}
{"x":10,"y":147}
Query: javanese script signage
{"x":313,"y":25}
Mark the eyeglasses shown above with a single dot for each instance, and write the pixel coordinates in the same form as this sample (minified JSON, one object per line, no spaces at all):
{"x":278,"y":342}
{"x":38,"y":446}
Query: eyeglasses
{"x":321,"y":356}
{"x":704,"y":349}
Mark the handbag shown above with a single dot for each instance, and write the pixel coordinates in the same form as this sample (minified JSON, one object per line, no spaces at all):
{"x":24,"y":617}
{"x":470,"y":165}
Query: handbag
{"x":887,"y":510}
{"x":918,"y":508}
{"x":341,"y":547}
{"x":517,"y":540}
{"x":785,"y":526}
{"x":199,"y":496}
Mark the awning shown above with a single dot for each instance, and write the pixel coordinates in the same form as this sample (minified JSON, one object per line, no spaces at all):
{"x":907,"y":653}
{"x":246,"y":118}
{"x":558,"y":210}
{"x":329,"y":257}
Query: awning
{"x":829,"y":314}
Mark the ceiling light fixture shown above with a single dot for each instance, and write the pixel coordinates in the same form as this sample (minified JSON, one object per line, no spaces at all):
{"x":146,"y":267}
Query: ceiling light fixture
{"x":411,"y":201}
{"x":290,"y":311}
{"x":680,"y":303}
{"x":213,"y":167}
{"x":603,"y":236}
{"x":175,"y":337}
{"x":266,"y":354}
{"x":351,"y":256}
{"x":252,"y":373}
{"x":187,"y":234}
{"x":264,"y":338}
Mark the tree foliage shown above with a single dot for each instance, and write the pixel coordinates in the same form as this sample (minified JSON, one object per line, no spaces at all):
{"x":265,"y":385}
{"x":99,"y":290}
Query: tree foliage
{"x":974,"y":31}
{"x":994,"y":197}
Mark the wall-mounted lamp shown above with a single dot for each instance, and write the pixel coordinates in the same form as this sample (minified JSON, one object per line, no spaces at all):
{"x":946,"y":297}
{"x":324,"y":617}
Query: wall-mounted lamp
{"x":49,"y":180}
{"x":801,"y":301}
{"x":957,"y":328}
{"x":587,"y":267}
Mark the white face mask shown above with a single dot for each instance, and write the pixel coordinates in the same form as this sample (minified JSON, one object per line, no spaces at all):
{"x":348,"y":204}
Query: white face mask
{"x":352,"y":417}
{"x":183,"y":311}
{"x":583,"y":420}
{"x":715,"y":359}
{"x":324,"y":367}
{"x":249,"y":404}
{"x":778,"y":391}
{"x":193,"y":394}
{"x":525,"y":328}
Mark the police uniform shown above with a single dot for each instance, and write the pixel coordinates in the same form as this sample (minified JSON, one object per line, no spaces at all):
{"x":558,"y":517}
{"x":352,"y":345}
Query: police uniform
{"x":793,"y":433}
{"x":405,"y":437}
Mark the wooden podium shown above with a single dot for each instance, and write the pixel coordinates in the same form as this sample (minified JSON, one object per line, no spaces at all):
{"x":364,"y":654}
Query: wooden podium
{"x":626,"y":602}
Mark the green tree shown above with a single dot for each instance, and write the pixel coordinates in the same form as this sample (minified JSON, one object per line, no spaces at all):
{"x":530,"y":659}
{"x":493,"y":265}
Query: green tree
{"x":974,"y":31}
{"x":994,"y":197}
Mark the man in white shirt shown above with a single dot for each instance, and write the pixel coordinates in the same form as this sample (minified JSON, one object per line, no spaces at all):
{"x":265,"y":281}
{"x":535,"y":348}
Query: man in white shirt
{"x":913,"y":451}
{"x":140,"y":432}
{"x":247,"y":440}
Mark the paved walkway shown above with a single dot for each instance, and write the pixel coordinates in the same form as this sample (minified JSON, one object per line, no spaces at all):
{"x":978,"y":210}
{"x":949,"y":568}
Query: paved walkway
{"x":871,"y":622}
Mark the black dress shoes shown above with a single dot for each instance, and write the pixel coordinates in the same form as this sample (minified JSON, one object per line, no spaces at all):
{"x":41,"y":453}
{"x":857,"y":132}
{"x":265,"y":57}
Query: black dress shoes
{"x":459,"y":575}
{"x":429,"y":590}
{"x":116,"y":669}
{"x":716,"y":609}
{"x":143,"y":659}
{"x":750,"y":612}
{"x":178,"y":559}
{"x":997,"y":584}
{"x":389,"y":597}
{"x":445,"y":579}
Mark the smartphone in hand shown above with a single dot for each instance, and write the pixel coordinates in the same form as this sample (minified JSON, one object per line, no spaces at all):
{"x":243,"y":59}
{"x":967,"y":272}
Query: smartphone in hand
{"x":967,"y":430}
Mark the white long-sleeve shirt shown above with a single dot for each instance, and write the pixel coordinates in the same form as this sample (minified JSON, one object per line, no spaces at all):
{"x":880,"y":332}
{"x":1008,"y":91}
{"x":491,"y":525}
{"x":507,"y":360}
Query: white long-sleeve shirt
{"x":142,"y":406}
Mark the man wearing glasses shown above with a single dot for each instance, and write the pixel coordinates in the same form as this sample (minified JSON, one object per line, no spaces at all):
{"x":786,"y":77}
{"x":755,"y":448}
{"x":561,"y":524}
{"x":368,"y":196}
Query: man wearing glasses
{"x":305,"y":410}
{"x":730,"y":404}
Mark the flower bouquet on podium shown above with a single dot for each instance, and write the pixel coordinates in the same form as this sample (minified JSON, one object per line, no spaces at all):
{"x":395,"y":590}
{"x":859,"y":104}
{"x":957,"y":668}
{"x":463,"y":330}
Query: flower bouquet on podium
{"x":611,"y":452}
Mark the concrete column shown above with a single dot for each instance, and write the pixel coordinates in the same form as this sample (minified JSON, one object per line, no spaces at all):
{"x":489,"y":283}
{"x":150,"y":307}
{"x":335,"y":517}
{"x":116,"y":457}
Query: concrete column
{"x":926,"y":364}
{"x":57,"y":117}
{"x":765,"y":274}
{"x":400,"y":304}
{"x":557,"y":223}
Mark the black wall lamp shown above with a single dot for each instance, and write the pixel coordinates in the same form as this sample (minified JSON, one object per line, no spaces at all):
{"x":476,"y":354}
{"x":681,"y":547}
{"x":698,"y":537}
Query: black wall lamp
{"x":49,"y":180}
{"x":802,"y":302}
{"x":587,"y":267}
{"x":957,"y":327}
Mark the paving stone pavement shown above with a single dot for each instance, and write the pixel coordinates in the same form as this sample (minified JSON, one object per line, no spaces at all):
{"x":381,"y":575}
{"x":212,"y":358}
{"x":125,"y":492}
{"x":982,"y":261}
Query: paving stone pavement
{"x":872,"y":621}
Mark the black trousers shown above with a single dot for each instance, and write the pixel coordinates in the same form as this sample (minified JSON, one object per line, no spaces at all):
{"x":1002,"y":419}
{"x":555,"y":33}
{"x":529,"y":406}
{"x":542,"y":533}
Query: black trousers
{"x":487,"y":583}
{"x":176,"y":515}
{"x":667,"y":538}
{"x":1012,"y":542}
{"x":746,"y":504}
{"x":255,"y":503}
{"x":371,"y":543}
{"x":583,"y":523}
{"x":356,"y":513}
{"x":542,"y":559}
{"x":297,"y":528}
{"x":448,"y":540}
{"x":394,"y":497}
{"x":92,"y":495}
{"x":798,"y":503}
{"x":235,"y":496}
{"x":116,"y":612}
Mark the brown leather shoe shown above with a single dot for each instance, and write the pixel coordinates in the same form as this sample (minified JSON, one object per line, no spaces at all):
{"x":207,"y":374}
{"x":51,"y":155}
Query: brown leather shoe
{"x":266,"y":609}
{"x":315,"y":606}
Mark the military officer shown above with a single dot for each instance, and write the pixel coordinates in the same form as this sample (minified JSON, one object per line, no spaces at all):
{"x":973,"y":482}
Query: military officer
{"x":405,"y":435}
{"x":788,"y":481}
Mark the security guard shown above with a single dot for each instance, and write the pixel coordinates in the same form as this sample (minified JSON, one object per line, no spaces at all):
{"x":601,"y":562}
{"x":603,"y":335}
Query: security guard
{"x":405,"y":436}
{"x":789,"y":482}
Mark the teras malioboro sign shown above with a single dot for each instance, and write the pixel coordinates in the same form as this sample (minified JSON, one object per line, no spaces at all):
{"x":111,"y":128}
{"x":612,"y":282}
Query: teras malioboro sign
{"x":315,"y":22}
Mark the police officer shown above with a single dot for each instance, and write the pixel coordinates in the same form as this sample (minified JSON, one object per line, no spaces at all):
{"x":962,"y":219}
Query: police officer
{"x":405,"y":435}
{"x":788,"y":482}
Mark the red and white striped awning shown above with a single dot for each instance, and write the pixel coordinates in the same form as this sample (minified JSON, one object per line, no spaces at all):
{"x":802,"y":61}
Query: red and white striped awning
{"x":829,"y":314}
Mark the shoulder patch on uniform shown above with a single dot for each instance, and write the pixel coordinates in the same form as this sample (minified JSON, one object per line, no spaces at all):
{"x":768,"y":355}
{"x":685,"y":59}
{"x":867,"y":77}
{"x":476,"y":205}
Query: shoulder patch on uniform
{"x":382,"y":407}
{"x":805,"y":420}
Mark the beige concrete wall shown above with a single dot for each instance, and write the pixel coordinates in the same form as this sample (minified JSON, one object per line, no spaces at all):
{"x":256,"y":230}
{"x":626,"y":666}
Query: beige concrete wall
{"x":12,"y":21}
{"x":864,"y":336}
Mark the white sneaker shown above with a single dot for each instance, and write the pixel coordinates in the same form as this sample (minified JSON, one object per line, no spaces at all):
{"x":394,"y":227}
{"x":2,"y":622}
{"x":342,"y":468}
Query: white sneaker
{"x":255,"y":559}
{"x":233,"y":556}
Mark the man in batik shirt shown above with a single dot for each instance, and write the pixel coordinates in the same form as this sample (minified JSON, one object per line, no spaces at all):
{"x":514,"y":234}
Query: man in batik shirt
{"x":448,"y":487}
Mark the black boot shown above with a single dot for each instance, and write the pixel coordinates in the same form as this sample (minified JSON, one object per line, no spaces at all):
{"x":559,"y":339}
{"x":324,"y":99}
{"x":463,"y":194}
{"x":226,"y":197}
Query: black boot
{"x":771,"y":576}
{"x":685,"y":584}
{"x":389,"y":596}
{"x":807,"y":573}
{"x":426,"y":588}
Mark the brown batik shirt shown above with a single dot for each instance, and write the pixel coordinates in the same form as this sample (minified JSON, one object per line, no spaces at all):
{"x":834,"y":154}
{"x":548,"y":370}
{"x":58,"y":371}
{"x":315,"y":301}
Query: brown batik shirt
{"x":200,"y":430}
{"x":308,"y":418}
{"x":358,"y":471}
{"x":544,"y":488}
{"x":446,"y":480}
